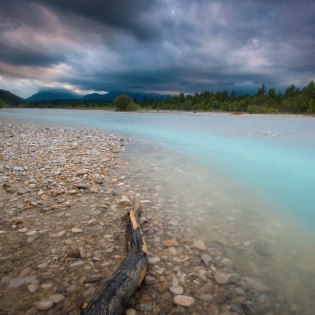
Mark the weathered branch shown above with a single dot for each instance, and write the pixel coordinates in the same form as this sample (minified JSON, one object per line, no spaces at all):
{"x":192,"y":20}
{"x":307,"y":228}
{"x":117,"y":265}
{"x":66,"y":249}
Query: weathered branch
{"x":114,"y":296}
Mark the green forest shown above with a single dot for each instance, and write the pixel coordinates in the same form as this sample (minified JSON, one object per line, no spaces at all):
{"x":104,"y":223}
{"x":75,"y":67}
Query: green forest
{"x":292,"y":100}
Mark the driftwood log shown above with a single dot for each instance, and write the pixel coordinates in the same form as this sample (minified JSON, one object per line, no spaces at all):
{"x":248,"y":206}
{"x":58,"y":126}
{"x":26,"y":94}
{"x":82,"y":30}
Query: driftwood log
{"x":115,"y":294}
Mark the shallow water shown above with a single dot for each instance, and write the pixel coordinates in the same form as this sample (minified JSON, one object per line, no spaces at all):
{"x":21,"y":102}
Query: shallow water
{"x":243,"y":181}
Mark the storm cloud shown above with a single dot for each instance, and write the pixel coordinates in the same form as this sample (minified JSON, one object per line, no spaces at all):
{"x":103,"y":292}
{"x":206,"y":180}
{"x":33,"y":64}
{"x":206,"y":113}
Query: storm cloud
{"x":157,"y":45}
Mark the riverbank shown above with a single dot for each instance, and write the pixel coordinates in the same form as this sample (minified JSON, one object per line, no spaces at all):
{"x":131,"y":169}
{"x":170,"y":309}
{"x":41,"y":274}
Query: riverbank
{"x":63,"y":194}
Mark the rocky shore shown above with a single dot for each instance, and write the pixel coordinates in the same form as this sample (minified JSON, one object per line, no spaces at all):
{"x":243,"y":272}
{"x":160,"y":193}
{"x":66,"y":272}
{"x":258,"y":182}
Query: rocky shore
{"x":63,"y":195}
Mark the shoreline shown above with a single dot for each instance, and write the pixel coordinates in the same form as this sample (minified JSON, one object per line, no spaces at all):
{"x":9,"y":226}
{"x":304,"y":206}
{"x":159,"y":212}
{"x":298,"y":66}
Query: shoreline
{"x":59,"y":187}
{"x":240,"y":114}
{"x":62,"y":235}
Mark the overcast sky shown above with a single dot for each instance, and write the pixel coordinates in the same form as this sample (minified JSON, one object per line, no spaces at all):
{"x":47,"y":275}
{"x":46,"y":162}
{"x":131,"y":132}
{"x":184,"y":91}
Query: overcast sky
{"x":155,"y":45}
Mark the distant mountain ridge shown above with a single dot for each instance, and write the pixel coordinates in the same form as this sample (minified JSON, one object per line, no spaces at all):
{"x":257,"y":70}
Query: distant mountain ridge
{"x":52,"y":95}
{"x":8,"y":98}
{"x":59,"y":94}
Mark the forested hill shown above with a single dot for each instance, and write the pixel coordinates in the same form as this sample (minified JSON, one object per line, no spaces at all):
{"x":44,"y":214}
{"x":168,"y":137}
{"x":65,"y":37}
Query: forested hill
{"x":9,"y":99}
{"x":293,"y":100}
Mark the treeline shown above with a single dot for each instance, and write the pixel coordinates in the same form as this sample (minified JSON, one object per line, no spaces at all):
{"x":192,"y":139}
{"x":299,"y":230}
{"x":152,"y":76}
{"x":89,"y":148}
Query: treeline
{"x":293,"y":100}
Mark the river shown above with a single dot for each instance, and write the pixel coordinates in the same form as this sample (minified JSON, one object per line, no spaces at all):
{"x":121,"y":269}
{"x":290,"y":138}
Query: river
{"x":244,"y":180}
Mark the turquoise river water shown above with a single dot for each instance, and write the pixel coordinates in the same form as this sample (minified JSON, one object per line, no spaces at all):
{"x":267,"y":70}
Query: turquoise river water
{"x":257,"y":171}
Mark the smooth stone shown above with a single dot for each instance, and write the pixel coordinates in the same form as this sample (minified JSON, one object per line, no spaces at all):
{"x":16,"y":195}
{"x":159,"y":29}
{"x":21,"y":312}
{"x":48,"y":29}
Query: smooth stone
{"x":32,"y":311}
{"x":22,"y":191}
{"x":16,"y":282}
{"x":154,"y":260}
{"x":178,"y":290}
{"x":144,"y":307}
{"x":95,"y":212}
{"x":149,"y":280}
{"x":47,"y":285}
{"x":255,"y":284}
{"x":131,"y":311}
{"x":224,"y":278}
{"x":57,"y":298}
{"x":59,"y":234}
{"x":42,"y":266}
{"x":124,"y":201}
{"x":170,"y":243}
{"x":206,"y":259}
{"x":200,"y":245}
{"x":183,"y":300}
{"x":236,"y":308}
{"x":73,"y":192}
{"x":18,"y":169}
{"x":31,"y":233}
{"x":213,"y":310}
{"x":239,"y":291}
{"x":172,"y":250}
{"x":44,"y":304}
{"x":76,"y":230}
{"x":77,"y":264}
{"x":82,"y":172}
{"x":33,"y":287}
{"x":206,"y":298}
{"x":226,"y":262}
{"x":81,"y":186}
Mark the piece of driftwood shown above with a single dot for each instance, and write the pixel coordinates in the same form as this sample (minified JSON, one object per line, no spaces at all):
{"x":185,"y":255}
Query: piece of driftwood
{"x":114,"y":296}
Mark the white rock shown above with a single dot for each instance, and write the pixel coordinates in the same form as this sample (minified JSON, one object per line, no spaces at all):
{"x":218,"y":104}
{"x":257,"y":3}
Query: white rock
{"x":57,"y":298}
{"x":31,"y":233}
{"x":154,"y":260}
{"x":44,"y":304}
{"x":183,"y":300}
{"x":33,"y":287}
{"x":200,"y":245}
{"x":172,"y":250}
{"x":76,"y":230}
{"x":42,"y":266}
{"x":178,"y":290}
{"x":77,"y":264}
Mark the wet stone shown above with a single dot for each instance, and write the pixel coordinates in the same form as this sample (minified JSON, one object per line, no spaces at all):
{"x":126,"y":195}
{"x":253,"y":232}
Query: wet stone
{"x":154,"y":260}
{"x":183,"y":300}
{"x":33,"y":287}
{"x":177,"y":290}
{"x":144,"y":307}
{"x":44,"y":304}
{"x":16,"y":282}
{"x":57,"y":298}
{"x":206,"y":259}
{"x":200,"y":245}
{"x":224,"y":278}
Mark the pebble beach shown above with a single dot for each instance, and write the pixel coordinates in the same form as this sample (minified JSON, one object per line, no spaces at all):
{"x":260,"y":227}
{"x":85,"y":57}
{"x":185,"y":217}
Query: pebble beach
{"x":63,"y":196}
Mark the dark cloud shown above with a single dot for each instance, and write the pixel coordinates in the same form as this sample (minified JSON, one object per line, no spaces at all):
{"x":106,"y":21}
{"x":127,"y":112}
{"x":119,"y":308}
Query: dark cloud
{"x":161,"y":45}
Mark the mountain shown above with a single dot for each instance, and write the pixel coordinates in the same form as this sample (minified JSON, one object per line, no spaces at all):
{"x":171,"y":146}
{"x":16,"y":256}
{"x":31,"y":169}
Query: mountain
{"x":137,"y":96}
{"x":9,"y":99}
{"x":58,"y":94}
{"x":52,"y":95}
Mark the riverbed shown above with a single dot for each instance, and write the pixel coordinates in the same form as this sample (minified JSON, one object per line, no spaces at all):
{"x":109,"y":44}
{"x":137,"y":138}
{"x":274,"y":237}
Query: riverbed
{"x":241,"y":184}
